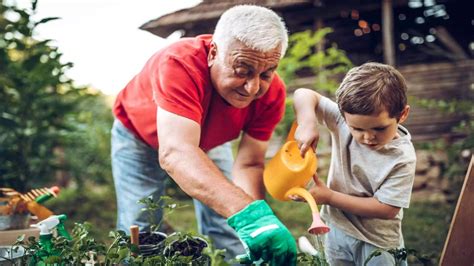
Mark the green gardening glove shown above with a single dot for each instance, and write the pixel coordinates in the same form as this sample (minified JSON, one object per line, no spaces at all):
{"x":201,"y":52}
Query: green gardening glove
{"x":263,"y":235}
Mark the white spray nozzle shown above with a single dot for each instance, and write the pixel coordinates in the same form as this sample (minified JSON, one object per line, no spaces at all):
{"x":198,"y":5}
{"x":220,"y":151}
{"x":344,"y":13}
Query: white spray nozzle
{"x":47,"y":225}
{"x":306,"y":246}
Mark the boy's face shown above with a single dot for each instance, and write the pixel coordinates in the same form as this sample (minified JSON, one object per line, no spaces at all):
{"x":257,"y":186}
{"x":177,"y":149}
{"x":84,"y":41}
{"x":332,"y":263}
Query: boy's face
{"x":374,"y":131}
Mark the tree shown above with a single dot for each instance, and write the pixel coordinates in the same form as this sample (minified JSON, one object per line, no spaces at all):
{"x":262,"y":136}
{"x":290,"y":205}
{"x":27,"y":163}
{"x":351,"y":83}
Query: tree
{"x":303,"y":58}
{"x":39,"y":105}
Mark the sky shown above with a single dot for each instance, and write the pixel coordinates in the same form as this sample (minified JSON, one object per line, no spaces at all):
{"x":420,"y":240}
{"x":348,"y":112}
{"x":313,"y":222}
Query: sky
{"x":102,"y":37}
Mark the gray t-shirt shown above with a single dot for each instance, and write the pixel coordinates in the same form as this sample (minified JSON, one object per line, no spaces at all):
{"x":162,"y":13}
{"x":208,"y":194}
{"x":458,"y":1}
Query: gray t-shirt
{"x":386,"y":174}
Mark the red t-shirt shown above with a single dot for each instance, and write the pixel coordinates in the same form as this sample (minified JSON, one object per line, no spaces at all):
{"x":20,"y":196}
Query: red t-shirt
{"x":177,"y":79}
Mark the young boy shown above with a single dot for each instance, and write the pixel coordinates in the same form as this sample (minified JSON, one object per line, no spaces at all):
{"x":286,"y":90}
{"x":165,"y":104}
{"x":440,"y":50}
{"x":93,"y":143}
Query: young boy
{"x":372,"y":163}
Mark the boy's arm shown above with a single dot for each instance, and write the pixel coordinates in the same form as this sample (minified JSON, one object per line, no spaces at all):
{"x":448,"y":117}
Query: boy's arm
{"x":305,"y":103}
{"x":363,"y":206}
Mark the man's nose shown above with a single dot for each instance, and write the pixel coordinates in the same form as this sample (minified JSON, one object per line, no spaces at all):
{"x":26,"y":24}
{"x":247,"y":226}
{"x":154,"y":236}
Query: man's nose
{"x":252,"y":86}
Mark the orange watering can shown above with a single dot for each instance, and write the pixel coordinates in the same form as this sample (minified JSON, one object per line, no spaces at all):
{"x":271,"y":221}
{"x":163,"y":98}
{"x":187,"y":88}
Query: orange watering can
{"x":287,"y":173}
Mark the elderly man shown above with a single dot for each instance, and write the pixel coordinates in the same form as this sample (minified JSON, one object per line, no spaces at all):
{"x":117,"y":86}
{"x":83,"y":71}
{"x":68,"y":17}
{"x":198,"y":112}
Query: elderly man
{"x":176,"y":116}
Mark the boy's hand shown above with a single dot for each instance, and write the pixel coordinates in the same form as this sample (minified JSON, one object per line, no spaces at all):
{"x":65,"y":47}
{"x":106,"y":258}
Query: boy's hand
{"x":320,"y":192}
{"x":307,"y":136}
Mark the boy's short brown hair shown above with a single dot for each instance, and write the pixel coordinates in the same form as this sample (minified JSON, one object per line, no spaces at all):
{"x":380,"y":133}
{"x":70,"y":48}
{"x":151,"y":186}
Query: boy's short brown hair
{"x":372,"y":88}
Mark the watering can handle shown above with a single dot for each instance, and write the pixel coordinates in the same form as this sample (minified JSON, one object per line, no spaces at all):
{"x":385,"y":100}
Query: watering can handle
{"x":291,"y":134}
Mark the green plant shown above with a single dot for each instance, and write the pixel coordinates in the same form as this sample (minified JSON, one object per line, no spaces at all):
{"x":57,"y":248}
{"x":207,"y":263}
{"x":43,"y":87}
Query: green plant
{"x":180,"y":248}
{"x":399,"y":254}
{"x":165,"y":203}
{"x":304,"y":59}
{"x":459,"y":150}
{"x":43,"y":116}
{"x":306,"y":259}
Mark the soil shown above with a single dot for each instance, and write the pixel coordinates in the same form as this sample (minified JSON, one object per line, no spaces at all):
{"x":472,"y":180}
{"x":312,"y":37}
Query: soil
{"x":189,"y":247}
{"x":147,"y":238}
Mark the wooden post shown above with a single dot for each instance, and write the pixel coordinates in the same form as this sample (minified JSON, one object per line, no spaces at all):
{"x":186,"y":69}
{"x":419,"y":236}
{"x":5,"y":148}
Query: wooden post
{"x":387,"y":31}
{"x":458,"y":248}
{"x":319,"y":24}
{"x":134,"y":236}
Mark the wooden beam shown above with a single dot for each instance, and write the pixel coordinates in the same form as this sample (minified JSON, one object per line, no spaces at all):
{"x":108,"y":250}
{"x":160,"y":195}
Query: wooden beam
{"x":387,"y":31}
{"x":443,"y":35}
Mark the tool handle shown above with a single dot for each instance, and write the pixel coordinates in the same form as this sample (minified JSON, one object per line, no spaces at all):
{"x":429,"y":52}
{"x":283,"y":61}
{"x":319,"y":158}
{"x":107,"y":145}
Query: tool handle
{"x":134,"y":236}
{"x":39,"y":210}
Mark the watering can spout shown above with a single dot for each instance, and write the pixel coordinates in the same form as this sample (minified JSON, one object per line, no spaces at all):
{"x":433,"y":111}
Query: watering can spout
{"x":317,"y":226}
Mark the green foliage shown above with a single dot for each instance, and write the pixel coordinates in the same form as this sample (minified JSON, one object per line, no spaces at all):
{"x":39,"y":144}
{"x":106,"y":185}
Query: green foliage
{"x":459,"y":150}
{"x":165,"y":203}
{"x":306,"y":259}
{"x":87,"y":148}
{"x":179,"y":248}
{"x":302,"y":58}
{"x":285,"y":124}
{"x":46,"y":123}
{"x":425,"y":227}
{"x":400,"y":255}
{"x":324,"y":64}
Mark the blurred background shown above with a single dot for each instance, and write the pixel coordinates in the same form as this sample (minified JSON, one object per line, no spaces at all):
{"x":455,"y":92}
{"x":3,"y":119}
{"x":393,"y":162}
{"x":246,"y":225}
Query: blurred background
{"x":62,"y":63}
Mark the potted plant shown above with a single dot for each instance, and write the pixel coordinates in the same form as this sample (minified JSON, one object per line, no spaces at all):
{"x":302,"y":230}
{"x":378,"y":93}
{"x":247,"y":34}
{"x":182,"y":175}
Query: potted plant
{"x":154,"y":248}
{"x":186,"y":248}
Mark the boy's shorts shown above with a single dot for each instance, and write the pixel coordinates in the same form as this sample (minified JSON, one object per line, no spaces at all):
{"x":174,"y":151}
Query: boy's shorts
{"x":342,"y":249}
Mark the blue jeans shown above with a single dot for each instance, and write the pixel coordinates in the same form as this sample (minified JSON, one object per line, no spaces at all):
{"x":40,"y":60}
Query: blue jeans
{"x":343,"y":250}
{"x":137,"y":174}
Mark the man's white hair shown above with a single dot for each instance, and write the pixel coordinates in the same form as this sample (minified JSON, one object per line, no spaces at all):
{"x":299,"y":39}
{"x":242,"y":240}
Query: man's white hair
{"x":256,"y":27}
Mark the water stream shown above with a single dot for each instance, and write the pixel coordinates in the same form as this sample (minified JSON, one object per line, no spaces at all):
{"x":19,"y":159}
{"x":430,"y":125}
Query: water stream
{"x":319,"y":245}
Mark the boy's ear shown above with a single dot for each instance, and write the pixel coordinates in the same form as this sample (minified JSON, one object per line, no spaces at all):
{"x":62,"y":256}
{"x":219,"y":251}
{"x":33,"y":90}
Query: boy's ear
{"x":404,"y":114}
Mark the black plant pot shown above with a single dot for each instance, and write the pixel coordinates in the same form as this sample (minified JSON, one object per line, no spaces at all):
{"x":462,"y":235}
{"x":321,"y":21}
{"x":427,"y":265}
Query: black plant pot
{"x":151,"y":243}
{"x":188,"y":247}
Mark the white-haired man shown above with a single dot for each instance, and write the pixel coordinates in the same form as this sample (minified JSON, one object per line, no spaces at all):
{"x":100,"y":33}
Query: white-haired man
{"x":188,"y":102}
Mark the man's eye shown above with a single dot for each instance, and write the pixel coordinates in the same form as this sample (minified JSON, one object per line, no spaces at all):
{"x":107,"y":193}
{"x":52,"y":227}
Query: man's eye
{"x":266,"y":75}
{"x":357,"y":129}
{"x":241,"y":72}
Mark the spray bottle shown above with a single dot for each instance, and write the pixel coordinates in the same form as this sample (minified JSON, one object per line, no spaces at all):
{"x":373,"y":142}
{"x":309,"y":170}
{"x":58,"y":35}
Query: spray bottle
{"x":47,"y":227}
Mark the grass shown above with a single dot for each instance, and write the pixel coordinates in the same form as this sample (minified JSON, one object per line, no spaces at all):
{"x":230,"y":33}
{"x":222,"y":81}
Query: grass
{"x":425,"y":227}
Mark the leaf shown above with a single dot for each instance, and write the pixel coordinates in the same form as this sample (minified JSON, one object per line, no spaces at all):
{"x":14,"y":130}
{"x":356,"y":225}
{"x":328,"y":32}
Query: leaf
{"x":45,"y":20}
{"x":375,"y":253}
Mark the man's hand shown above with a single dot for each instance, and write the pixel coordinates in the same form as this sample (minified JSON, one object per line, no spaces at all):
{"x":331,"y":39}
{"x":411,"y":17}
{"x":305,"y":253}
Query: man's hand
{"x":263,"y":235}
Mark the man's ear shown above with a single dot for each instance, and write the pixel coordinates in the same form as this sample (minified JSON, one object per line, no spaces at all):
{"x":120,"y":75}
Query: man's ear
{"x":404,"y":114}
{"x":211,"y":56}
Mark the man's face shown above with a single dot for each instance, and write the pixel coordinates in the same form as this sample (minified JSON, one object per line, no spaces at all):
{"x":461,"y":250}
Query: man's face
{"x":240,"y":74}
{"x":374,"y":131}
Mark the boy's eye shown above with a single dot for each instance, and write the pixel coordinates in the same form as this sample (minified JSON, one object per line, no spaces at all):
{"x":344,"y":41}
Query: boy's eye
{"x":380,"y":128}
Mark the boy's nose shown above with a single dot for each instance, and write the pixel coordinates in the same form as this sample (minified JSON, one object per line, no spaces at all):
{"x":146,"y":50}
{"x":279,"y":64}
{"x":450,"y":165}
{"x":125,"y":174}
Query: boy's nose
{"x":369,"y":136}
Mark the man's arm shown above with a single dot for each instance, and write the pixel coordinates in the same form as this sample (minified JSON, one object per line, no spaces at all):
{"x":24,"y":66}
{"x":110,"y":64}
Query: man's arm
{"x":189,"y":166}
{"x":248,"y":167}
